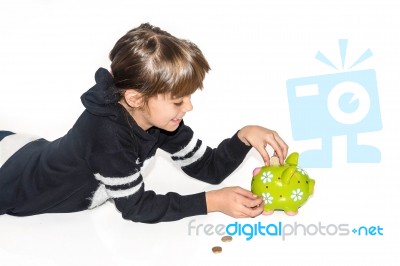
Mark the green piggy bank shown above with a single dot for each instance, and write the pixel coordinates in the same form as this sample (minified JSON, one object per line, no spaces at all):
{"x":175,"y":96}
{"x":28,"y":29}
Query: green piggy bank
{"x":283,"y":187}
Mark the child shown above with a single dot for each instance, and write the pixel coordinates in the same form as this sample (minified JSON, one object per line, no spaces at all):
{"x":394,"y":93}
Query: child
{"x":130,"y":113}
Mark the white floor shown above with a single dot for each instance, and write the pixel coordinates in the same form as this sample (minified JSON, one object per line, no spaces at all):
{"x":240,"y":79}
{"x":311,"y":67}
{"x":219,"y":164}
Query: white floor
{"x":102,"y":237}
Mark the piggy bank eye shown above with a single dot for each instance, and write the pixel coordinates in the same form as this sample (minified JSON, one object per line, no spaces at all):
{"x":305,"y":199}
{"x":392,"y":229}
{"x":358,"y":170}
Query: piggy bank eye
{"x":266,"y":186}
{"x":306,"y":182}
{"x":298,"y":182}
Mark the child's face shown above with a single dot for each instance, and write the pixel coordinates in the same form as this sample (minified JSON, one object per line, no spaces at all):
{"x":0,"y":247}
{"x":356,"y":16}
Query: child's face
{"x":164,"y":112}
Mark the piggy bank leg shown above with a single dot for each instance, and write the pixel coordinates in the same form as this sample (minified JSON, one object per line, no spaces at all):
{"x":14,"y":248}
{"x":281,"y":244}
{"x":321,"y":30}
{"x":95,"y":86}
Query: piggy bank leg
{"x":266,"y":213}
{"x":291,"y":212}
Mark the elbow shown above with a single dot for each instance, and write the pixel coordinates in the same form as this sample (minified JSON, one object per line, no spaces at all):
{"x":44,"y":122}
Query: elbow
{"x":138,"y":218}
{"x":216,"y":180}
{"x":131,"y":213}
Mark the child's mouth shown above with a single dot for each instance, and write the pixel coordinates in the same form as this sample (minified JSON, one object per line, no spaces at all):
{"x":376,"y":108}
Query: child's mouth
{"x":177,"y":120}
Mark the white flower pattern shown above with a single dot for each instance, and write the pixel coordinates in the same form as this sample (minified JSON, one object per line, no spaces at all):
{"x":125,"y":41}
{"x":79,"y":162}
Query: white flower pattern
{"x":267,"y":198}
{"x":296,"y":194}
{"x":266,"y":177}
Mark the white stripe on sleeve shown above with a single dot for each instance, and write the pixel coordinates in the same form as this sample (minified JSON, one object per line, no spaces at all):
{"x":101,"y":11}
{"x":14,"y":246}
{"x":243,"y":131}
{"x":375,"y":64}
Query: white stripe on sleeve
{"x":189,"y":147}
{"x":117,"y":181}
{"x":197,"y":155}
{"x":124,"y":192}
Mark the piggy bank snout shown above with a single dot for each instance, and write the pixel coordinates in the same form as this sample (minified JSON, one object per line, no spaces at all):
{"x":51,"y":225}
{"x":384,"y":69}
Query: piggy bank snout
{"x":311,"y":184}
{"x":256,"y":171}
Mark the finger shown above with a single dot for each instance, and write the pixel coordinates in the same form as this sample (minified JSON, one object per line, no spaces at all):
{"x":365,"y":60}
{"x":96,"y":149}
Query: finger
{"x":283,"y":147}
{"x":257,"y":210}
{"x":252,"y":212}
{"x":280,"y":151}
{"x":247,"y":198}
{"x":252,"y":203}
{"x":264,"y":154}
{"x":246,"y":193}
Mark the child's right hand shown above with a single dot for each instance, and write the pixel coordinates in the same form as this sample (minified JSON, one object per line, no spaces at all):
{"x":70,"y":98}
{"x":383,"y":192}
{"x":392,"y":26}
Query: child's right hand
{"x":234,"y":201}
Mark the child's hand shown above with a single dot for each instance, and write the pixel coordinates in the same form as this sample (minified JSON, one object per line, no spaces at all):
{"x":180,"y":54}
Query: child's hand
{"x":260,"y":137}
{"x":234,"y":201}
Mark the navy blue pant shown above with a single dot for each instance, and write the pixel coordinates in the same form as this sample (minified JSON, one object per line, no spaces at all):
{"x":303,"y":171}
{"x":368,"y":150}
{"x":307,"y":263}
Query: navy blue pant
{"x":4,"y":134}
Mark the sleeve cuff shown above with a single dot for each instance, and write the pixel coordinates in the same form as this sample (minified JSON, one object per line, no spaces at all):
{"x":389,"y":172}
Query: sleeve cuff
{"x":238,"y":146}
{"x":194,"y":204}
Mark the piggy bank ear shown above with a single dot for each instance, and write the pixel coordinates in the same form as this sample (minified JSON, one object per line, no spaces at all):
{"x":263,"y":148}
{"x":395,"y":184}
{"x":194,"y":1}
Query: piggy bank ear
{"x":292,"y":159}
{"x":288,"y":174}
{"x":256,"y":171}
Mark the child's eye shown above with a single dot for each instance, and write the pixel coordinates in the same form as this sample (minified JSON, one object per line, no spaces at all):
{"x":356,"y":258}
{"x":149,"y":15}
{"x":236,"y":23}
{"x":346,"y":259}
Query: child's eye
{"x":178,"y":103}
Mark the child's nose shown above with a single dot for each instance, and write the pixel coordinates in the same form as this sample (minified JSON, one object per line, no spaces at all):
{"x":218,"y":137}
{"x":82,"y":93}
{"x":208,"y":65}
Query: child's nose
{"x":187,"y":107}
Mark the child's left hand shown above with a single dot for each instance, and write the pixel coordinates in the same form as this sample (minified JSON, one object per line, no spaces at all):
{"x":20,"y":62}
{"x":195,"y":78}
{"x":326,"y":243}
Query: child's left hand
{"x":259,"y":137}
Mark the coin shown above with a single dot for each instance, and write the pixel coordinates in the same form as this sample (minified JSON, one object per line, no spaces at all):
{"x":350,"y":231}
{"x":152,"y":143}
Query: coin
{"x":226,"y":239}
{"x":274,"y":161}
{"x":216,"y":249}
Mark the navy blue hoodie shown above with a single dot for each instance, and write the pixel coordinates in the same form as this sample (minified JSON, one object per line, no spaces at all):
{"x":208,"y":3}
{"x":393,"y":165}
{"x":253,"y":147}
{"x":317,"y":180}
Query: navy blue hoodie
{"x":101,"y":158}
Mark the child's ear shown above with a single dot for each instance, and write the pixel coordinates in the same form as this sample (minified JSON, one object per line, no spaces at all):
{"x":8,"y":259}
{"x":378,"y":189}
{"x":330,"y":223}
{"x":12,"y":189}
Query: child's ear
{"x":133,"y":98}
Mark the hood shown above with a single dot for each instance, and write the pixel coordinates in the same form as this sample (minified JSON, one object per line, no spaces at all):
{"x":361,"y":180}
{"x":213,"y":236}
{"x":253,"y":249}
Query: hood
{"x":101,"y":99}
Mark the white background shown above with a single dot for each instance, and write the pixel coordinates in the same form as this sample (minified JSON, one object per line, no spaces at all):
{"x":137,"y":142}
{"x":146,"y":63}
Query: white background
{"x":49,"y":51}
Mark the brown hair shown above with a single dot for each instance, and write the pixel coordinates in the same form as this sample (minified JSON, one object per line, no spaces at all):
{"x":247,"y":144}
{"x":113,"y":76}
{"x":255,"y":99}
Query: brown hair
{"x":152,"y":61}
